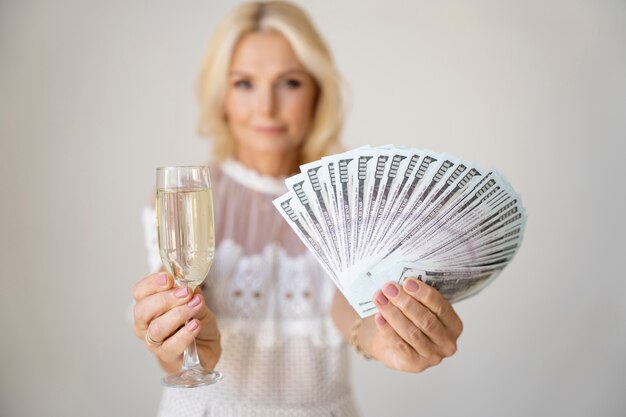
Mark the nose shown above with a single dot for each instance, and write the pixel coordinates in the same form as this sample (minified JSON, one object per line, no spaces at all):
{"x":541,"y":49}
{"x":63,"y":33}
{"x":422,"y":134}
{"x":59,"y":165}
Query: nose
{"x":266,"y":101}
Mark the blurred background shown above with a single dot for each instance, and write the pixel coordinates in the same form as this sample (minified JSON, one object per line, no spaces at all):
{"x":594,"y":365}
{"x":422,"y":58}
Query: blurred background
{"x":95,"y":95}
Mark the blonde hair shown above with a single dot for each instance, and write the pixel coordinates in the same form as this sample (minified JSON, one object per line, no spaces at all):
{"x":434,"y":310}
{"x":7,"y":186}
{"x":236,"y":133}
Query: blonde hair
{"x":293,"y":23}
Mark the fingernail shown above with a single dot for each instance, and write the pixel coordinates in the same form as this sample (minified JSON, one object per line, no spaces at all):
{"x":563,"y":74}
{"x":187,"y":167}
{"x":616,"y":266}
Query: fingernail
{"x":381,"y":299}
{"x":162,"y":279}
{"x":390,"y":290}
{"x":181,"y":292}
{"x":380,"y":319}
{"x":192,"y":325}
{"x":411,"y":285}
{"x":194,"y":301}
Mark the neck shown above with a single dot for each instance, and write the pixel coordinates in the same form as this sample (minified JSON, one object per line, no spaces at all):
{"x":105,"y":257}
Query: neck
{"x":271,"y":164}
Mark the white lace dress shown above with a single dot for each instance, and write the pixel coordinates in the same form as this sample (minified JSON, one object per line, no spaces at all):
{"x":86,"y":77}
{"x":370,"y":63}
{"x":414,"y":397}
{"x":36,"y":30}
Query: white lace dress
{"x":281,"y":353}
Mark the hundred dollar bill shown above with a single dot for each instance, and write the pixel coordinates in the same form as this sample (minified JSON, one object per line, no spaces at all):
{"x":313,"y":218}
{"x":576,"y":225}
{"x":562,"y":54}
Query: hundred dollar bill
{"x":303,"y":230}
{"x":410,"y":182}
{"x":434,"y":171}
{"x":502,"y":245}
{"x":455,"y":236}
{"x":374,"y":196}
{"x":320,"y":185}
{"x":462,"y":207}
{"x":339,"y":177}
{"x":312,"y":214}
{"x":333,"y":192}
{"x":356,"y":181}
{"x":491,"y":229}
{"x":494,"y":223}
{"x":454,"y":287}
{"x":405,"y":227}
{"x":400,"y":162}
{"x":450,"y":189}
{"x":361,"y":200}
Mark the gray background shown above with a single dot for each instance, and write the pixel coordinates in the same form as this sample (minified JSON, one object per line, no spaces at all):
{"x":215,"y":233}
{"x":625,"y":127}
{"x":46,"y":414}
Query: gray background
{"x":95,"y":95}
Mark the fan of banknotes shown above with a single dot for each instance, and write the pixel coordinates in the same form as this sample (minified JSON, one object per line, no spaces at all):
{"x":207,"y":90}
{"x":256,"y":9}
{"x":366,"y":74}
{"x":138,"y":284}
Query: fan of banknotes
{"x":378,"y":214}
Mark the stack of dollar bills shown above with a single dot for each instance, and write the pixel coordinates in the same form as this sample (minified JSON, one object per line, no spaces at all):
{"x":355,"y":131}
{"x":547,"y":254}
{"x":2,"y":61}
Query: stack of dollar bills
{"x":378,"y":214}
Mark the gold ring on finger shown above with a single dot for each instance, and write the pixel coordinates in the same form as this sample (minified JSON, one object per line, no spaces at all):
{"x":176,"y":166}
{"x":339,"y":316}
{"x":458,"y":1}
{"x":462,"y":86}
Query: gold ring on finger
{"x":151,"y":341}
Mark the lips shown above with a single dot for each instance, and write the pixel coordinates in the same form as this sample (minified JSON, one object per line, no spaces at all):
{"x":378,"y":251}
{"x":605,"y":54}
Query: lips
{"x":269,"y":129}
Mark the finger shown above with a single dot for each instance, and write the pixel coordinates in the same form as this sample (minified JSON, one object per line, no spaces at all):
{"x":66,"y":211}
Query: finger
{"x":152,"y":284}
{"x":210,"y":331}
{"x":155,"y":305}
{"x":435,"y":302}
{"x":397,"y":344}
{"x":209,"y":339}
{"x":411,"y":334}
{"x":173,"y":347}
{"x":419,"y":316}
{"x":164,"y":326}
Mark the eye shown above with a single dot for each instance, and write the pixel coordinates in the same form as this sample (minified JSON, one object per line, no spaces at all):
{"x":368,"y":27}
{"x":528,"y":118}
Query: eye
{"x":242,"y":84}
{"x":291,"y":83}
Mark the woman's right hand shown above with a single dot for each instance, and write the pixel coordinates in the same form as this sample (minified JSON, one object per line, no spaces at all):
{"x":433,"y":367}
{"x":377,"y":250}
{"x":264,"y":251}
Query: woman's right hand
{"x":173,"y":317}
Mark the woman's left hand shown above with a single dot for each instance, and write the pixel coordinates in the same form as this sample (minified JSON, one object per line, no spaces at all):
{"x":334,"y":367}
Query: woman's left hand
{"x":416,"y":327}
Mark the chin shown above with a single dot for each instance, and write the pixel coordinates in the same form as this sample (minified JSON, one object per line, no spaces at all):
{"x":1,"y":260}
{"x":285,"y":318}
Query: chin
{"x":267,"y":144}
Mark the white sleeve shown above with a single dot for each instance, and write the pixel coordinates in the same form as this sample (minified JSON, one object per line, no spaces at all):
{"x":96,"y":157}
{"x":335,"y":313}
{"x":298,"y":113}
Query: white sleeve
{"x":150,"y":233}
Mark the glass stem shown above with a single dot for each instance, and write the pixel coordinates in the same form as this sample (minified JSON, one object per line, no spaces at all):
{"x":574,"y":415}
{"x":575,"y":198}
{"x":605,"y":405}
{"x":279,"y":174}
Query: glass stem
{"x":190,"y":357}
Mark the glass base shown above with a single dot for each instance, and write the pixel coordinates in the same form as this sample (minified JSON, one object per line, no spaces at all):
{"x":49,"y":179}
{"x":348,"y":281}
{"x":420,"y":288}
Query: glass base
{"x":191,"y":378}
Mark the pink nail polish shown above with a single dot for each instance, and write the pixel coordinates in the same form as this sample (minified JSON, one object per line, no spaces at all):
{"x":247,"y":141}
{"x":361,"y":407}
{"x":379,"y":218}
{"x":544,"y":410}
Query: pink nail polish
{"x":411,"y":285}
{"x":390,"y":290}
{"x":195,"y":301}
{"x":380,"y":319}
{"x":381,"y":299}
{"x":192,"y":325}
{"x":181,"y":292}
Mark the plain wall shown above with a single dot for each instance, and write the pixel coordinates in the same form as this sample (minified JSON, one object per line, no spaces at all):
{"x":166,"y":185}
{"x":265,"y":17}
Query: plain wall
{"x":95,"y":95}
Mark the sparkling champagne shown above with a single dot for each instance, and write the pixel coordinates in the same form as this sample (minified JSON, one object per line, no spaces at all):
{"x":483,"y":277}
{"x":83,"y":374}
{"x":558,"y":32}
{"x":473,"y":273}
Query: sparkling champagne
{"x":186,"y":233}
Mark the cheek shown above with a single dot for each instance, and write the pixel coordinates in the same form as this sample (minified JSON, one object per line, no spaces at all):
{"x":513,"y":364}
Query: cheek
{"x":299,"y":110}
{"x":237,"y":108}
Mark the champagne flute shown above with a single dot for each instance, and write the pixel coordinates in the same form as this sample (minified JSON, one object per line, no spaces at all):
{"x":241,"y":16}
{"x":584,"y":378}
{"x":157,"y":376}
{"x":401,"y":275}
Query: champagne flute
{"x":186,"y":245}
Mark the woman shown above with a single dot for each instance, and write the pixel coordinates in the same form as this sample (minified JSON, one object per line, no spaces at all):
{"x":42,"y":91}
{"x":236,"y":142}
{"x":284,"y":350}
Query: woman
{"x":269,"y":98}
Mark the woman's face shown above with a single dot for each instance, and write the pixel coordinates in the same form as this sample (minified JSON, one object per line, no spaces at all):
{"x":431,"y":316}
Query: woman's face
{"x":270,"y":98}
